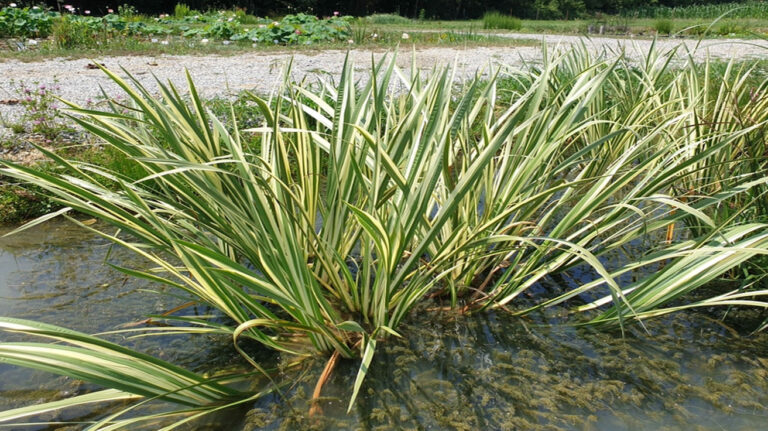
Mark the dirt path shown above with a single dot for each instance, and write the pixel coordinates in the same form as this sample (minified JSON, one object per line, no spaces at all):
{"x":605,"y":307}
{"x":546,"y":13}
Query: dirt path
{"x":219,"y":76}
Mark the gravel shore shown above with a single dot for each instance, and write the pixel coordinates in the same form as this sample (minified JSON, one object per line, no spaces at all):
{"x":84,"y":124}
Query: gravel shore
{"x":225,"y":75}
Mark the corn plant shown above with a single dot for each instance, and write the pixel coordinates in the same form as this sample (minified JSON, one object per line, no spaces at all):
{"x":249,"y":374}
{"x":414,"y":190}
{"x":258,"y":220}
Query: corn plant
{"x":748,"y":9}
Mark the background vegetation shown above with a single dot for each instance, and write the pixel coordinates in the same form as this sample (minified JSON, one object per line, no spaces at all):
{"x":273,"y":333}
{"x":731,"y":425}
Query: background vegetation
{"x":430,"y":9}
{"x":187,"y":29}
{"x":71,"y":30}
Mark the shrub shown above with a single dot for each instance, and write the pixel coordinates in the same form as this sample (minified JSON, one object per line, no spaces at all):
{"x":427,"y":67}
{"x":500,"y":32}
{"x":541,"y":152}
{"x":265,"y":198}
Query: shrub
{"x":697,"y":30}
{"x":386,"y":18}
{"x":745,"y":9}
{"x":181,"y":10}
{"x":222,"y":29}
{"x":663,"y":26}
{"x":729,"y":28}
{"x":18,"y":204}
{"x":128,"y":12}
{"x":244,"y":18}
{"x":73,"y":32}
{"x":498,"y":21}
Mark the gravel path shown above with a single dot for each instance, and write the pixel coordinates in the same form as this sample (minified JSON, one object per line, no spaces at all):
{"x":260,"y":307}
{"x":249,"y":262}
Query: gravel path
{"x":223,"y":75}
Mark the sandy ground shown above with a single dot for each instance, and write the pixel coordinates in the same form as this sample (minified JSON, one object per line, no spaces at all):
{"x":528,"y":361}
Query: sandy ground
{"x":226,"y":75}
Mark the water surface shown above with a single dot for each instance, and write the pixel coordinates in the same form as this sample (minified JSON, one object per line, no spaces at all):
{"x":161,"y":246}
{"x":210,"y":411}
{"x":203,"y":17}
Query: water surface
{"x":490,"y":371}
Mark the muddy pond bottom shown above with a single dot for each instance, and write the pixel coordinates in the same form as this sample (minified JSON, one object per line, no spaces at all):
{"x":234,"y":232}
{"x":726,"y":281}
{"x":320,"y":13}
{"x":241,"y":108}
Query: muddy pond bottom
{"x":489,"y":371}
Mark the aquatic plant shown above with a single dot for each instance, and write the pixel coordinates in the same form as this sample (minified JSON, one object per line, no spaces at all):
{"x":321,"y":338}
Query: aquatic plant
{"x":128,"y":374}
{"x":358,"y":203}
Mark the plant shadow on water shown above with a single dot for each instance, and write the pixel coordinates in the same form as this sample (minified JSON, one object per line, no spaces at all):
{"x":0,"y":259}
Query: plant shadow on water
{"x":494,"y":371}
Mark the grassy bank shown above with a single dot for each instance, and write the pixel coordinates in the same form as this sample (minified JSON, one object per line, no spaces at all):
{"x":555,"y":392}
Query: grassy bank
{"x":610,"y":25}
{"x":363,"y":38}
{"x":688,"y":27}
{"x":47,"y":34}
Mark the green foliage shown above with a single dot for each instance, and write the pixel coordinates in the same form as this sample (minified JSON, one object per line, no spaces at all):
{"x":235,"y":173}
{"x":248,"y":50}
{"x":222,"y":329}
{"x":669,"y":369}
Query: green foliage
{"x":181,"y":11}
{"x":356,"y":204}
{"x":129,"y":374}
{"x":748,"y":9}
{"x":73,"y":32}
{"x":112,"y":160}
{"x":244,"y":18}
{"x":390,"y":37}
{"x":386,"y":18}
{"x":26,"y":22}
{"x":728,"y":28}
{"x":240,"y":112}
{"x":19,"y":204}
{"x":663,"y":26}
{"x":558,"y":9}
{"x":697,"y":30}
{"x":292,"y":29}
{"x":222,"y":30}
{"x":498,"y":21}
{"x":41,"y":114}
{"x":127,"y":12}
{"x":300,"y":29}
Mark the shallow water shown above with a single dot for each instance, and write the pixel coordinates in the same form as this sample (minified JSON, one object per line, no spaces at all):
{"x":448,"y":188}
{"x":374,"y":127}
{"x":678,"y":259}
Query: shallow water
{"x":56,"y":273}
{"x":490,"y":371}
{"x":496,"y":372}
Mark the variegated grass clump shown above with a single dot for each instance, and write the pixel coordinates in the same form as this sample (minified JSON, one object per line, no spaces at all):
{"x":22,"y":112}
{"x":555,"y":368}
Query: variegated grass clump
{"x":357,"y":204}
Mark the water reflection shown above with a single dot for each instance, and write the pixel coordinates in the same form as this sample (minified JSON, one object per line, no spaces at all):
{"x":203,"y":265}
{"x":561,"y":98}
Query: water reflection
{"x":56,"y":273}
{"x":489,"y":371}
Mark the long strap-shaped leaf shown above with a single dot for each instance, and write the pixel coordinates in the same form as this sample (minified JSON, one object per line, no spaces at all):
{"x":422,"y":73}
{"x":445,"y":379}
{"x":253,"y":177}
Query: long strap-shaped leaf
{"x":107,"y":364}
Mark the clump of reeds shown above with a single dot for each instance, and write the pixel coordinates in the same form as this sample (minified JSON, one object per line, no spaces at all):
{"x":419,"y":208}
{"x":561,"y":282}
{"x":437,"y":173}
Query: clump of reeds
{"x":357,"y":204}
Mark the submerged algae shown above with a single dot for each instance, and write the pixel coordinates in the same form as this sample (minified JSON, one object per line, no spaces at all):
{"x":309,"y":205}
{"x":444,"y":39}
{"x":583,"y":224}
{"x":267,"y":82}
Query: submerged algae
{"x":494,"y":372}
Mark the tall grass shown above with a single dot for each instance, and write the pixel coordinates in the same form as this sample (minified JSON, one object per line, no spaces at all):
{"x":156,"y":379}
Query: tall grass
{"x":357,"y":204}
{"x":499,"y":21}
{"x":663,"y":26}
{"x":71,"y":33}
{"x":181,"y":10}
{"x":386,"y":18}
